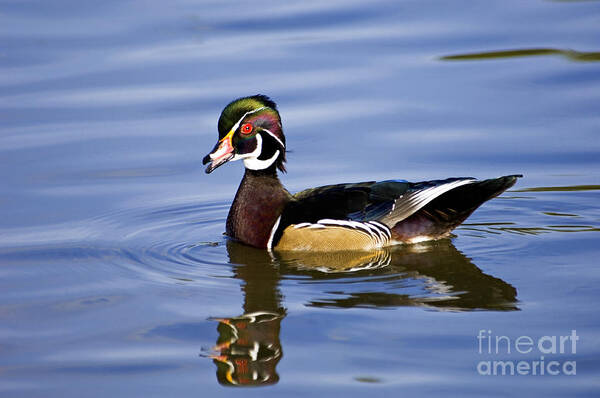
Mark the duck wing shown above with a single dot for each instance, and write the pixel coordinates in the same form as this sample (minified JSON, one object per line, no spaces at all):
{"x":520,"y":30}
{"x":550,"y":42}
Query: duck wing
{"x":385,"y":201}
{"x":376,"y":211}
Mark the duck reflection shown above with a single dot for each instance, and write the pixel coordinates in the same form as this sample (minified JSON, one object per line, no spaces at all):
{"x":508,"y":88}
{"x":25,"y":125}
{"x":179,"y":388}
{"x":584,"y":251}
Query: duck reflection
{"x":434,"y":275}
{"x":248,"y":348}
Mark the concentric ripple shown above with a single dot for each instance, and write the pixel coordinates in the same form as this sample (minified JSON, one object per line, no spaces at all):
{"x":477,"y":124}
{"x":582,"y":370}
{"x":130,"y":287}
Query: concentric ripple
{"x":181,"y":242}
{"x":176,"y":242}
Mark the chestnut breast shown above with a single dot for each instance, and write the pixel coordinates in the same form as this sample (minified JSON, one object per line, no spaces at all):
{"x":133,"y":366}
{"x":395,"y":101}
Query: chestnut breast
{"x":259,"y":201}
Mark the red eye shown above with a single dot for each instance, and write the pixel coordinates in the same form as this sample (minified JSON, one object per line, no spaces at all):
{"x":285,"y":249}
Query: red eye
{"x":246,"y":128}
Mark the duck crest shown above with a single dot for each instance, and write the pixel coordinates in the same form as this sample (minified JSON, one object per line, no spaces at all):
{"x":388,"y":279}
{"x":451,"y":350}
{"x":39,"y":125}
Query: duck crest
{"x":258,"y":203}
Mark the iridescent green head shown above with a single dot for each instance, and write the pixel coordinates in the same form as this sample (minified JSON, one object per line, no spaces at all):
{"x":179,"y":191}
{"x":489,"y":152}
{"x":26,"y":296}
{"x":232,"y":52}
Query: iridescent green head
{"x":249,"y":129}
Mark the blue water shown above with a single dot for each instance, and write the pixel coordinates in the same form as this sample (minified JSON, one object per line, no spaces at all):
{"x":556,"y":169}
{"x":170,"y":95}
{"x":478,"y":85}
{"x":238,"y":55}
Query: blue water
{"x":116,"y":280}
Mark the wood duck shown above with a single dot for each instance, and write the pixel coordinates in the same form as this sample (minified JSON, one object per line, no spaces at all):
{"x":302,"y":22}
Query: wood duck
{"x":356,"y":216}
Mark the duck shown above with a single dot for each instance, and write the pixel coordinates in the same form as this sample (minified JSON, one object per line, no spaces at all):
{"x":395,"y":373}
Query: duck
{"x":360,"y":216}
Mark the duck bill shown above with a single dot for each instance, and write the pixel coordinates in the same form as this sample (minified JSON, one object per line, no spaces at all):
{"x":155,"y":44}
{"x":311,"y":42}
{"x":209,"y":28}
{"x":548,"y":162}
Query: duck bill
{"x":222,"y":153}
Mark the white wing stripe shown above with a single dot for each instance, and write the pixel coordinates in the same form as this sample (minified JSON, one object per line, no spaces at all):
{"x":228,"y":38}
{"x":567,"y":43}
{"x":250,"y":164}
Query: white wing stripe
{"x":416,"y":200}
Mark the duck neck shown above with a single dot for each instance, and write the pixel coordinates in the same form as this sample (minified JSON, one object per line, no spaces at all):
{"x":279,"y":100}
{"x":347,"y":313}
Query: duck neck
{"x":258,"y":203}
{"x":270,"y":171}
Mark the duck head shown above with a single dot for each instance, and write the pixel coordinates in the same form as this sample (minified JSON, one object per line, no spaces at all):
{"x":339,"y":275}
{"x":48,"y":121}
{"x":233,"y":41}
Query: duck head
{"x":250,"y":130}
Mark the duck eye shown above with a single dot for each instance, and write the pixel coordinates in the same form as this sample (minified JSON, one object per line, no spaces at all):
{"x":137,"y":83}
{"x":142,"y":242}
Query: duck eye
{"x":246,"y":128}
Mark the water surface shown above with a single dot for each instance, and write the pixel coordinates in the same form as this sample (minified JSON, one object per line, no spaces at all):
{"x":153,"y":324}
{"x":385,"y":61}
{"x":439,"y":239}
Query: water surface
{"x":116,"y":279}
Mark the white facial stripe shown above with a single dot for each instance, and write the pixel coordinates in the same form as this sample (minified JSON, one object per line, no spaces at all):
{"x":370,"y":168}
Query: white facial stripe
{"x":235,"y":126}
{"x":257,"y":164}
{"x":276,"y":138}
{"x":251,"y":160}
{"x":254,"y":154}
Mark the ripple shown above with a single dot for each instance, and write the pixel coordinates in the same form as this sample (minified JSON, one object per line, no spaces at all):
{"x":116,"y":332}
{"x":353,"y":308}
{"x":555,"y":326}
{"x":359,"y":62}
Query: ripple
{"x":541,"y":210}
{"x":175,"y":243}
{"x":172,"y":243}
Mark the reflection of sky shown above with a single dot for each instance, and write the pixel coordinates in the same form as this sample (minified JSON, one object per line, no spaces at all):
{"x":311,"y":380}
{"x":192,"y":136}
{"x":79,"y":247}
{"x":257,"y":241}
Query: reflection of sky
{"x":107,"y":109}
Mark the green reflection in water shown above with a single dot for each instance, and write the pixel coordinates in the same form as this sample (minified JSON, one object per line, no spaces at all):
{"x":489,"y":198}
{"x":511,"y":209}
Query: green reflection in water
{"x":555,"y":214}
{"x":579,"y":56}
{"x":367,"y":379}
{"x":511,"y":227}
{"x":560,"y":189}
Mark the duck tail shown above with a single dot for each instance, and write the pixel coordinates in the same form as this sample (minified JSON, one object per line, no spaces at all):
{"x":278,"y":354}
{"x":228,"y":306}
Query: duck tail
{"x":445,"y":212}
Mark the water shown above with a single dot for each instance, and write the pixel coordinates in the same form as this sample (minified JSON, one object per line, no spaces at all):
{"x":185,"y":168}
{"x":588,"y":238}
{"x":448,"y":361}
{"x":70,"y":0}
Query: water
{"x":116,"y":279}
